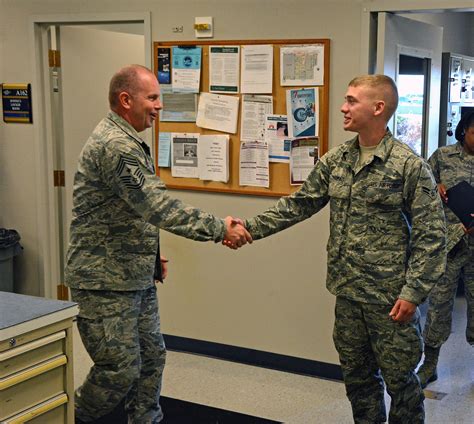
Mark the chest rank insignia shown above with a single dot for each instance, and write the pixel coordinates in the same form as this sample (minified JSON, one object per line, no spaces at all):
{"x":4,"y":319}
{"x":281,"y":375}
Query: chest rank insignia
{"x":129,"y":173}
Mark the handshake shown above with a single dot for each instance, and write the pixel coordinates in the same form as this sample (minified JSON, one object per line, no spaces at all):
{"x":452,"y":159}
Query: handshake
{"x":235,"y":235}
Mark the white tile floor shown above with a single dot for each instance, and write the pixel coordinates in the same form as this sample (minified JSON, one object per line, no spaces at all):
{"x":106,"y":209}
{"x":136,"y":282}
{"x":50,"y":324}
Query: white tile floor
{"x":297,"y":399}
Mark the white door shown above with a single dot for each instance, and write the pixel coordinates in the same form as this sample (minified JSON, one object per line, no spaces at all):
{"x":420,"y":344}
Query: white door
{"x":404,"y":44}
{"x":89,"y":58}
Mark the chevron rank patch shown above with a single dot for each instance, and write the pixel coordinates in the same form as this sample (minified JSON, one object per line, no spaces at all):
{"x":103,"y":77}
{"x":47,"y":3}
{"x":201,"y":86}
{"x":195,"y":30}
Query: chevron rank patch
{"x":431,"y":192}
{"x":129,"y":173}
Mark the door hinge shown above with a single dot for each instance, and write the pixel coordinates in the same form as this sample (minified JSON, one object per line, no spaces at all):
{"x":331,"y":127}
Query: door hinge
{"x":54,"y":57}
{"x":59,"y":178}
{"x":63,"y":292}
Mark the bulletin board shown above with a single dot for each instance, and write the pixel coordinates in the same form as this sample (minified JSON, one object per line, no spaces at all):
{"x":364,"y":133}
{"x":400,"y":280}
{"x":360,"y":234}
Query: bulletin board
{"x":279,"y":172}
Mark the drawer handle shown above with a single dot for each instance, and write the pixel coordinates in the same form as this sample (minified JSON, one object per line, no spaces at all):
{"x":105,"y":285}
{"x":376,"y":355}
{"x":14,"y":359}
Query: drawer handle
{"x":37,"y":410}
{"x":17,"y":378}
{"x":32,"y":345}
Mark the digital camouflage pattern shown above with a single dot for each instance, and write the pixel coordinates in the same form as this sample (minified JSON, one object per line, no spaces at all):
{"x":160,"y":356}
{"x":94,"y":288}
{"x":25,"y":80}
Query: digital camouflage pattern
{"x":387,"y":241}
{"x":369,"y":341}
{"x":118,"y":205}
{"x":387,"y":228}
{"x":121,"y":333}
{"x":451,"y":165}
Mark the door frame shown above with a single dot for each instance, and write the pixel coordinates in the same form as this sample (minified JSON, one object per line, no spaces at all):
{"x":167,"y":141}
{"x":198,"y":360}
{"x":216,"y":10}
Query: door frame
{"x":47,"y":214}
{"x":369,"y":12}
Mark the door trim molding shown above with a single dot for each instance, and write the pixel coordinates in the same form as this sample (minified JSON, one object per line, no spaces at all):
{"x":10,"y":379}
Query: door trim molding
{"x":47,"y":234}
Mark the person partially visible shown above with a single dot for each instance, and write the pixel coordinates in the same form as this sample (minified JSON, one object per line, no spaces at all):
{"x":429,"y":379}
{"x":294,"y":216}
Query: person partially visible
{"x":113,"y":259}
{"x":451,"y":165}
{"x":386,"y":250}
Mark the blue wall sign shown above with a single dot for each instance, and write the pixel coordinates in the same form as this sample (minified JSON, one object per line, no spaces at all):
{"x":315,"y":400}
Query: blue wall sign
{"x":16,"y":99}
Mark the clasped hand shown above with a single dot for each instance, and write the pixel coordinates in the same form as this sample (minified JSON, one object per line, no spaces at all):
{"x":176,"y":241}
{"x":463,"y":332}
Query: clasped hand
{"x":235,"y":235}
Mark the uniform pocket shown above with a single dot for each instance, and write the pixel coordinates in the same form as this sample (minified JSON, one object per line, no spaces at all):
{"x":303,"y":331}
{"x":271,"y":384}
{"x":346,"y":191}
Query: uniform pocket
{"x":383,"y":257}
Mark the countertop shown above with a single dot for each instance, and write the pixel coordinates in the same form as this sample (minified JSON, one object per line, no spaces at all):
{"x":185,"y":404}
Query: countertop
{"x":20,"y":314}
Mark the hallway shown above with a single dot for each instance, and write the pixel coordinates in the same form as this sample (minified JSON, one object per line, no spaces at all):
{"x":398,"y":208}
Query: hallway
{"x":292,"y":398}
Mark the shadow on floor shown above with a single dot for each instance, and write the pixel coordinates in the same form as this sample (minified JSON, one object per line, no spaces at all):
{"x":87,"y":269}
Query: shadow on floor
{"x":182,"y":412}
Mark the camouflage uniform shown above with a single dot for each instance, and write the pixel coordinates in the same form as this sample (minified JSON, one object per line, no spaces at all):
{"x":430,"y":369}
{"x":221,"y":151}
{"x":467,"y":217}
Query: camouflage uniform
{"x":119,"y":204}
{"x":379,"y":250}
{"x":451,"y":165}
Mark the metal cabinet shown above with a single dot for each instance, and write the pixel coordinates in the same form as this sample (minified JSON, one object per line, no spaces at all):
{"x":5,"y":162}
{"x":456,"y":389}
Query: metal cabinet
{"x":457,"y":94}
{"x":36,"y":375}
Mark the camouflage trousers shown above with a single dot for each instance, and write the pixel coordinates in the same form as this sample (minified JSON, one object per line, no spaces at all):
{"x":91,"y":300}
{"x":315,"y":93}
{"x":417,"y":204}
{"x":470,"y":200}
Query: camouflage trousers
{"x":121,"y":332}
{"x":441,"y":299}
{"x":374,"y":349}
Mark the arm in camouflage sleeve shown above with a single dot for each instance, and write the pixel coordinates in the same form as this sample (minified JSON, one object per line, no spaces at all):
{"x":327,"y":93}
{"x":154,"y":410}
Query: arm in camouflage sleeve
{"x":433,"y":161}
{"x":289,"y":210}
{"x":427,"y":260}
{"x":128,"y":176}
{"x":454,"y":232}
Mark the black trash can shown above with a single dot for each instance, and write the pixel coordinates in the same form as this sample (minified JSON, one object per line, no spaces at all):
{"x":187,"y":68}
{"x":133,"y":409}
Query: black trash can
{"x":9,"y":248}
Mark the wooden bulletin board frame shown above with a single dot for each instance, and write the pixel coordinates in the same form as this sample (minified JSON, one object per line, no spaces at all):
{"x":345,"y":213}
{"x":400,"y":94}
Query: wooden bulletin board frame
{"x":279,"y":172}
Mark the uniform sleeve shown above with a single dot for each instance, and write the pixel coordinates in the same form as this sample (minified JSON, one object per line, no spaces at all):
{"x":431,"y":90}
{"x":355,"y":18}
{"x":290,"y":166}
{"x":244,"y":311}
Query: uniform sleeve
{"x":126,"y":172}
{"x":289,"y":210}
{"x":427,"y":260}
{"x":454,"y":229}
{"x":434,"y":164}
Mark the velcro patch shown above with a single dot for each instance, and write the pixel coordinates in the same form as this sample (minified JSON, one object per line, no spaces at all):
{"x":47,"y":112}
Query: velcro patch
{"x":129,"y":173}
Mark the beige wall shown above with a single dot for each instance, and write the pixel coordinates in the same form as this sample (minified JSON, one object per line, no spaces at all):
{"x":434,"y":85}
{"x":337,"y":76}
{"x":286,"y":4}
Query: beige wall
{"x":458,"y":32}
{"x":270,"y":296}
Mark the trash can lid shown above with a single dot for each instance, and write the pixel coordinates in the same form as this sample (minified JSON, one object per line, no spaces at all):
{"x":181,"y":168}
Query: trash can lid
{"x":8,"y":238}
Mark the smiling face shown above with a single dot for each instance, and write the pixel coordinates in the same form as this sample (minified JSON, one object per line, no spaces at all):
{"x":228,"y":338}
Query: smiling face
{"x":358,"y":108}
{"x":144,"y":103}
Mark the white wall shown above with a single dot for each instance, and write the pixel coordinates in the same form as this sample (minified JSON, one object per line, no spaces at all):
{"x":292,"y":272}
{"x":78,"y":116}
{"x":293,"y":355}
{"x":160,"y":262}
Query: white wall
{"x":270,"y":296}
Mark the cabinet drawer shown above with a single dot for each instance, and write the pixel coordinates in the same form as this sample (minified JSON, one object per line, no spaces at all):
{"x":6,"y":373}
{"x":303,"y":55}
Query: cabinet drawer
{"x":34,"y":385}
{"x":24,"y":356}
{"x":53,"y":411}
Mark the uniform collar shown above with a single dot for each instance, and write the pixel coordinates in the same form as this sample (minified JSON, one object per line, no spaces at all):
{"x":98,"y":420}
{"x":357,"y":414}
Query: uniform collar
{"x":124,"y":125}
{"x":351,"y":149}
{"x":128,"y":129}
{"x":459,"y":150}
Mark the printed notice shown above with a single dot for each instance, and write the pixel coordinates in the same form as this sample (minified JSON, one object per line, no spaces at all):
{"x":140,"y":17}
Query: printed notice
{"x":218,"y":112}
{"x":257,"y":69}
{"x":224,"y":66}
{"x":213,"y":157}
{"x":184,"y":158}
{"x":178,"y":107}
{"x":276,"y":134}
{"x":164,"y":149}
{"x":304,"y":155}
{"x":254,"y":110}
{"x":254,"y":165}
{"x":186,"y":69}
{"x":301,"y":110}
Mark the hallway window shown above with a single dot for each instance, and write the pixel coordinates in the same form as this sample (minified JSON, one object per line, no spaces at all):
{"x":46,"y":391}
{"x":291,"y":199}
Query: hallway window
{"x":410,"y":118}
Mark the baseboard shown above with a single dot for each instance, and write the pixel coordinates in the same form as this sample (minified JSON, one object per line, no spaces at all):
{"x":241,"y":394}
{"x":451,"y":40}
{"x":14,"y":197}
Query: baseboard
{"x":254,"y":357}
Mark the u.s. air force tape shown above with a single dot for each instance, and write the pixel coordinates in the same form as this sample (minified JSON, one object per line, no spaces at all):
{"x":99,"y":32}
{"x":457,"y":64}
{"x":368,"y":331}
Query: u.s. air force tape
{"x":129,"y":173}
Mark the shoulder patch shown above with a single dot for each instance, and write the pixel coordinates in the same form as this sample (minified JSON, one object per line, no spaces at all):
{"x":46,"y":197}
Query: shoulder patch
{"x":129,"y":173}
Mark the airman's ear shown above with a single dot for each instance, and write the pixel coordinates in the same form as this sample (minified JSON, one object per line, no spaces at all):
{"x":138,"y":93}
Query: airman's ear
{"x":379,"y":107}
{"x":124,"y":99}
